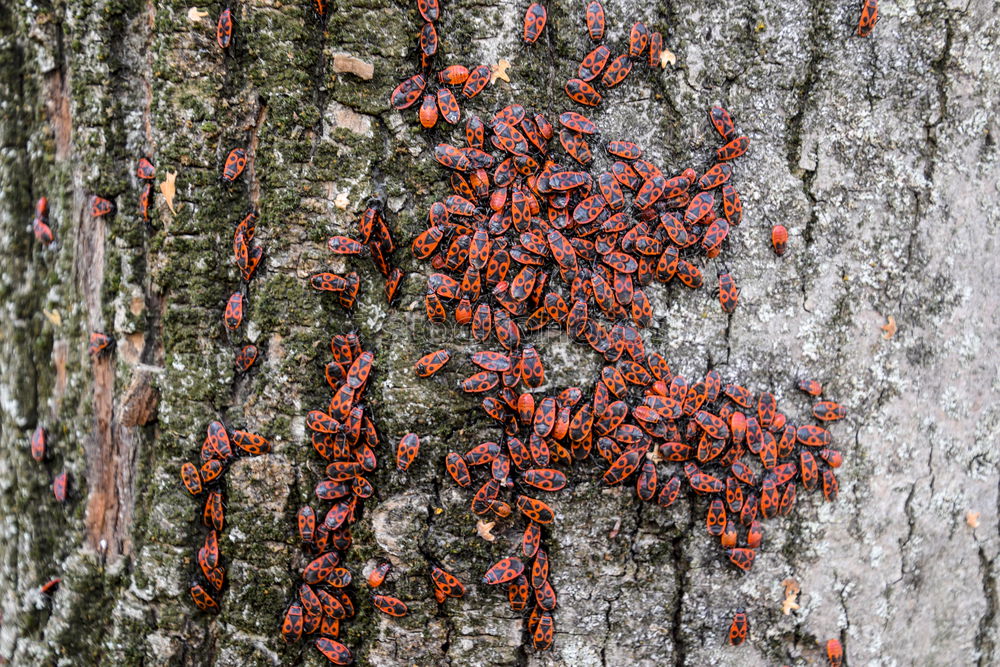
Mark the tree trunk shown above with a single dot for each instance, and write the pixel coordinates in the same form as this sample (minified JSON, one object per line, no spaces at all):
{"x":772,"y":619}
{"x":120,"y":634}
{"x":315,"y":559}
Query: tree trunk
{"x":878,"y":154}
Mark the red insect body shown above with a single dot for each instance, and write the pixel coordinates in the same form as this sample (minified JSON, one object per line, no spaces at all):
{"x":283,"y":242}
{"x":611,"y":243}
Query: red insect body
{"x":534,"y":22}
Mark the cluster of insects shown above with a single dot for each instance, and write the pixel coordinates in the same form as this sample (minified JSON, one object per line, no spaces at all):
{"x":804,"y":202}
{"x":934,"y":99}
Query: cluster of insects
{"x":442,"y":102}
{"x":39,"y":445}
{"x":100,"y":345}
{"x":345,"y":436}
{"x":643,"y":46}
{"x":217,"y":453}
{"x":532,"y":220}
{"x":527,"y":241}
{"x":652,"y":429}
{"x":145,"y":172}
{"x":247,"y":256}
{"x":377,"y":243}
{"x":516,"y":207}
{"x":217,"y":450}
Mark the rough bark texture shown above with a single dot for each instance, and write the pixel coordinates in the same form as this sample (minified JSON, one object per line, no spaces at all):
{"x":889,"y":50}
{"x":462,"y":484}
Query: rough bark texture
{"x":879,"y":154}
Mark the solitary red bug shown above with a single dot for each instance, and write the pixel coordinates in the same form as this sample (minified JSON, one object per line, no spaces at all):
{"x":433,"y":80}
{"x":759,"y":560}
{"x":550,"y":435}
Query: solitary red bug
{"x":833,"y":458}
{"x":430,"y":364}
{"x":378,"y":574}
{"x":728,"y":293}
{"x":202,"y":599}
{"x":407,"y":451}
{"x":534,"y":22}
{"x":453,"y":75}
{"x":428,"y":39}
{"x":191,"y":478}
{"x":328,"y":282}
{"x":60,"y":486}
{"x":742,"y":558}
{"x":291,"y":626}
{"x":320,"y":568}
{"x":210,"y":470}
{"x":38,"y":443}
{"x":478,"y":79}
{"x":408,"y":92}
{"x":655,"y":50}
{"x":738,"y":628}
{"x":544,"y":632}
{"x":429,"y":9}
{"x":343,"y":245}
{"x":535,"y":510}
{"x":236,"y":161}
{"x":813,"y":436}
{"x":616,"y":72}
{"x":43,"y":233}
{"x":811,"y":387}
{"x":582,"y":92}
{"x":390,"y":605}
{"x":577,"y":122}
{"x":145,"y":170}
{"x":593,"y":63}
{"x":251,"y":443}
{"x":868,"y":18}
{"x":716,"y":518}
{"x":233,"y":315}
{"x":834,"y":653}
{"x":831,"y":487}
{"x":733,"y":149}
{"x":595,"y":20}
{"x":722,"y":122}
{"x":458,"y":469}
{"x":334,"y":651}
{"x":213,"y":515}
{"x":546,"y":479}
{"x":447,"y":583}
{"x":779,"y":239}
{"x":428,"y":114}
{"x":392,"y":284}
{"x":448,"y":106}
{"x":828,"y":411}
{"x":246,"y":357}
{"x":145,"y":200}
{"x":100,"y":206}
{"x":504,"y":571}
{"x":224,"y":29}
{"x":50,"y":586}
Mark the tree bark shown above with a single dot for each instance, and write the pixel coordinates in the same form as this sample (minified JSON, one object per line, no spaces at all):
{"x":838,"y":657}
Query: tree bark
{"x":878,"y":154}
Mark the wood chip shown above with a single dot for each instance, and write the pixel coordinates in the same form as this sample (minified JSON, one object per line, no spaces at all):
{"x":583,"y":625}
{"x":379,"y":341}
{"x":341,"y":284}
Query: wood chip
{"x":484,"y":530}
{"x":169,"y":189}
{"x":53,"y":317}
{"x":791,"y":595}
{"x":195,"y":15}
{"x":667,"y":57}
{"x":499,"y":71}
{"x":972,"y":518}
{"x":342,"y":201}
{"x":343,"y":62}
{"x":889,"y":329}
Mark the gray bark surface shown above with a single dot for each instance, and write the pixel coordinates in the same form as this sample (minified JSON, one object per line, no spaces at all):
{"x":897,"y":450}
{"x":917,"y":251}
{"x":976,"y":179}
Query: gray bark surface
{"x":879,"y":155}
